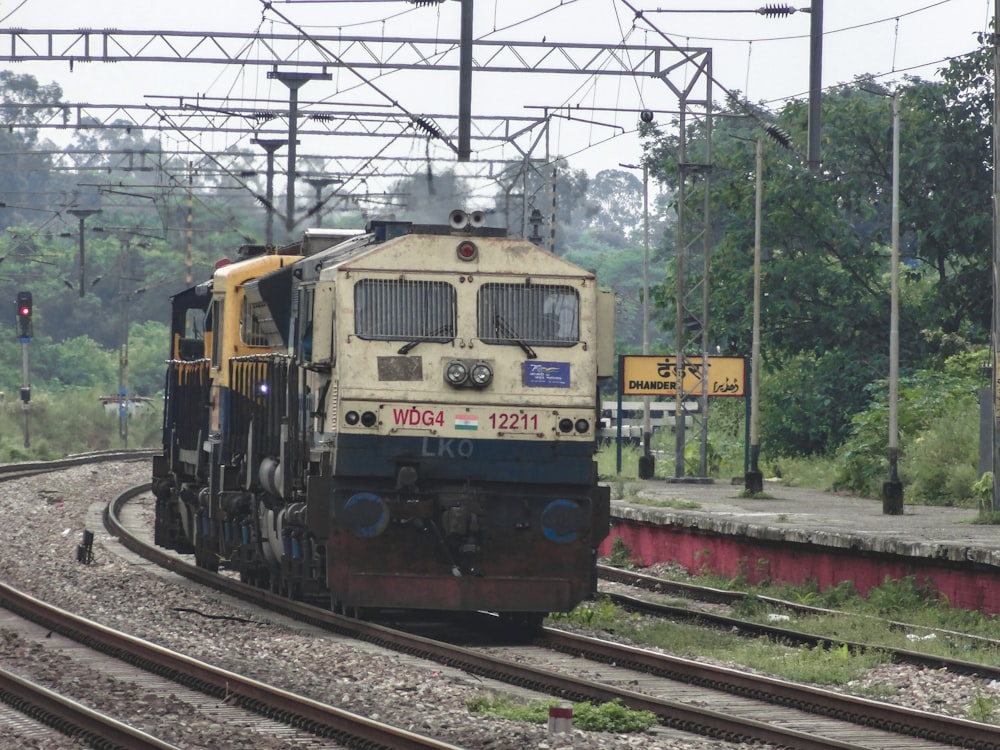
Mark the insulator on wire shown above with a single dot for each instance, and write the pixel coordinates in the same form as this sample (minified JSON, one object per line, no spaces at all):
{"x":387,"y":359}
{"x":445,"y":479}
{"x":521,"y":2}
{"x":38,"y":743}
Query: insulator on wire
{"x":775,"y":11}
{"x":429,"y":127}
{"x":420,"y":3}
{"x":779,"y":135}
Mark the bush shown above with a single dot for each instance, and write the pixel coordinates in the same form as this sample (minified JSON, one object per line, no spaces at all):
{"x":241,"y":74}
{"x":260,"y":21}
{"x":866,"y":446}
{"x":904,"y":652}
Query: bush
{"x":937,"y":434}
{"x":941,"y":466}
{"x":806,"y":405}
{"x":69,"y":421}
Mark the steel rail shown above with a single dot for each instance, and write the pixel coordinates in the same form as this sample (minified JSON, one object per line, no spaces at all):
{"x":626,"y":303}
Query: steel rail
{"x":72,"y":718}
{"x":318,"y":718}
{"x":735,"y":624}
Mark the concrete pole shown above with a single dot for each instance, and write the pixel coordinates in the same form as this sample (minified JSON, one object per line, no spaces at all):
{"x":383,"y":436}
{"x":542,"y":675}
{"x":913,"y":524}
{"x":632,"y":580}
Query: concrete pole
{"x":995,"y":334}
{"x":82,"y":214}
{"x":754,"y":480}
{"x":892,"y":489}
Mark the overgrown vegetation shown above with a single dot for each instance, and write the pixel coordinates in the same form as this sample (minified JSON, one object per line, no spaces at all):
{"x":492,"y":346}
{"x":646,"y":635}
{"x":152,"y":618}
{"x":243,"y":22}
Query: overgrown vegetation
{"x":931,"y":626}
{"x":938,"y":413}
{"x":72,"y":421}
{"x":604,"y":717}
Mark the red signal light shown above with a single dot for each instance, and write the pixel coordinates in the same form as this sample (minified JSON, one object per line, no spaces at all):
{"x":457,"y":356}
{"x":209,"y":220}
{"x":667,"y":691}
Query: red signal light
{"x":22,"y":311}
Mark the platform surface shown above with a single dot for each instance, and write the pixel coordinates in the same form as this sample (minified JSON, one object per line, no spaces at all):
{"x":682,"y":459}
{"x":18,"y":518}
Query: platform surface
{"x":810,"y":516}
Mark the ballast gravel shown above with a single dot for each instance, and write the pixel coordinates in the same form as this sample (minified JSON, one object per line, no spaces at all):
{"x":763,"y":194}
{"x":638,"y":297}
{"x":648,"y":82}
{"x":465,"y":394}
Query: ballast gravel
{"x":45,"y":519}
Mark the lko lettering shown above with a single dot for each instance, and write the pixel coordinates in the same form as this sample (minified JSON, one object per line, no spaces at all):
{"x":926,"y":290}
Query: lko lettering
{"x":446,"y":448}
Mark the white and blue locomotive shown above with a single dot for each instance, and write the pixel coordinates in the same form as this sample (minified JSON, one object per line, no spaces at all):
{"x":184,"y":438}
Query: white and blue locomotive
{"x":405,"y":418}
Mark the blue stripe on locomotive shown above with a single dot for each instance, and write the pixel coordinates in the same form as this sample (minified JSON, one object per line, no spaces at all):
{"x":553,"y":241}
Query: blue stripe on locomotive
{"x":548,"y":462}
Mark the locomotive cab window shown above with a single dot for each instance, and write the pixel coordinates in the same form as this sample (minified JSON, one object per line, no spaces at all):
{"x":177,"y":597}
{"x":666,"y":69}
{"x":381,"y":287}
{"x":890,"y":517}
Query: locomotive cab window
{"x":529,"y":314}
{"x":255,"y":324}
{"x":191,"y":341}
{"x":402,"y":310}
{"x":304,"y":323}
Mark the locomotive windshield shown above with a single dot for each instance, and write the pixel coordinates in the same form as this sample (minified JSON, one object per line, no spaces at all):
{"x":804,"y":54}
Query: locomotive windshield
{"x":400,"y":310}
{"x":529,"y":314}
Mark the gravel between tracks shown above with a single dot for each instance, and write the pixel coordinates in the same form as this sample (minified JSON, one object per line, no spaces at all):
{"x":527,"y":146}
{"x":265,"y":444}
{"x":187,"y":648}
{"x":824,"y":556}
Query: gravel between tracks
{"x":46,"y":516}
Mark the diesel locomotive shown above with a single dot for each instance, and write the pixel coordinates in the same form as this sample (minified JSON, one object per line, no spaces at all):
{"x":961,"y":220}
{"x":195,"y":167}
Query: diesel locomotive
{"x":402,"y":418}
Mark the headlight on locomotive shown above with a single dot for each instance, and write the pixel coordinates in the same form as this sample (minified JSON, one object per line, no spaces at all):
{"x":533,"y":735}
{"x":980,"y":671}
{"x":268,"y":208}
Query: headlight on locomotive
{"x":460,"y":373}
{"x":456,"y":373}
{"x":482,"y":375}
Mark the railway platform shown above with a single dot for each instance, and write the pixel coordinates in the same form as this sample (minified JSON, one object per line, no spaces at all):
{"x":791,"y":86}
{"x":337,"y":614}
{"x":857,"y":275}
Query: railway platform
{"x":799,"y":535}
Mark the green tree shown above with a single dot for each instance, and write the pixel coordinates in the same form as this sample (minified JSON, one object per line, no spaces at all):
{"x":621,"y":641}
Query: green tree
{"x":826,"y":237}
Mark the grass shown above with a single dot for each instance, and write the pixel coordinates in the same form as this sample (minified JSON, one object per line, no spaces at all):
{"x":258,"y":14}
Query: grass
{"x":934,"y":627}
{"x":823,"y":666}
{"x":604,"y":717}
{"x":72,"y":421}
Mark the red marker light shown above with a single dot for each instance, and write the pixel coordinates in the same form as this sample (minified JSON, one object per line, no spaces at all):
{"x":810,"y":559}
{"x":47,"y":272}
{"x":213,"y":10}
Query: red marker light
{"x":467,"y":250}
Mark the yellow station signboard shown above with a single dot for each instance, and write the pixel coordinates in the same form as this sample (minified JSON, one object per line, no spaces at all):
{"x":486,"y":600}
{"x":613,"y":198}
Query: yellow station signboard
{"x":656,"y":375}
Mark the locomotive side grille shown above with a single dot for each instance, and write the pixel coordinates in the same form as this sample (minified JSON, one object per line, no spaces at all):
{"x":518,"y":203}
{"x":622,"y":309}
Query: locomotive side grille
{"x":403,"y":310}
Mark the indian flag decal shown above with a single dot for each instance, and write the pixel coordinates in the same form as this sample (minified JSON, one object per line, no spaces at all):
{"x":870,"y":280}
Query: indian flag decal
{"x":466,"y":422}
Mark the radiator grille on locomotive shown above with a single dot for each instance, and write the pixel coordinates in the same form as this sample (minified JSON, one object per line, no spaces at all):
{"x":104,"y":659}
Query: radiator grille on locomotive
{"x":400,"y":310}
{"x":535,"y":314}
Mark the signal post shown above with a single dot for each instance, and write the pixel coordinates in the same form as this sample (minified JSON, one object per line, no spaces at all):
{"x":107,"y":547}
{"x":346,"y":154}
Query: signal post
{"x":22,"y":314}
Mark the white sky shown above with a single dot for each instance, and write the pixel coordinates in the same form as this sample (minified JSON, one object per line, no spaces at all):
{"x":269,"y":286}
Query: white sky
{"x":767,"y":59}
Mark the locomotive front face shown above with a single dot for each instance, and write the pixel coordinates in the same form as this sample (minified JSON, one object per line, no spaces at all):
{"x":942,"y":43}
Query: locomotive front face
{"x":460,"y":420}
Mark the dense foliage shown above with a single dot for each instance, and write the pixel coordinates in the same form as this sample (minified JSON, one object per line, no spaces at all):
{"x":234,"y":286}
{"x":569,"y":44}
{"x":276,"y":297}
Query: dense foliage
{"x":827,"y":237}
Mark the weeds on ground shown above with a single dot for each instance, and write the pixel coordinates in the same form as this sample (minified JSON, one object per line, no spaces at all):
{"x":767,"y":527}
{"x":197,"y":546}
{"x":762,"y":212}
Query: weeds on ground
{"x":599,"y":613}
{"x":982,"y":708}
{"x":604,"y":717}
{"x":934,"y":626}
{"x":621,"y":555}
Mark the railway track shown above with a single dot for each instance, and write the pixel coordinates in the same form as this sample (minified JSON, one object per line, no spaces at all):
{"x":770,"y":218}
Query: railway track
{"x":229,"y":690}
{"x":195,"y":689}
{"x":72,"y":718}
{"x":687,"y":695}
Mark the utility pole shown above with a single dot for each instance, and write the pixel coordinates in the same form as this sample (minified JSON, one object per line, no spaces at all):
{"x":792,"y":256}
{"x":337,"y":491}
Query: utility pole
{"x":270,"y":145}
{"x":995,"y":334}
{"x":892,"y":489}
{"x":647,"y":462}
{"x":465,"y":84}
{"x":815,"y":82}
{"x":754,"y":480}
{"x":294,"y":81}
{"x":82,"y":214}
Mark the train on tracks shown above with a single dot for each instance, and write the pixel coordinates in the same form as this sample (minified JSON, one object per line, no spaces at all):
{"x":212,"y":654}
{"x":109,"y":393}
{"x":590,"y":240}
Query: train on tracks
{"x":403,"y":418}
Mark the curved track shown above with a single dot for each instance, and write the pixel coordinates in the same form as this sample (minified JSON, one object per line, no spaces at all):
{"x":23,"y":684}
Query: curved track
{"x":234,"y":689}
{"x":114,"y":651}
{"x":796,"y":716}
